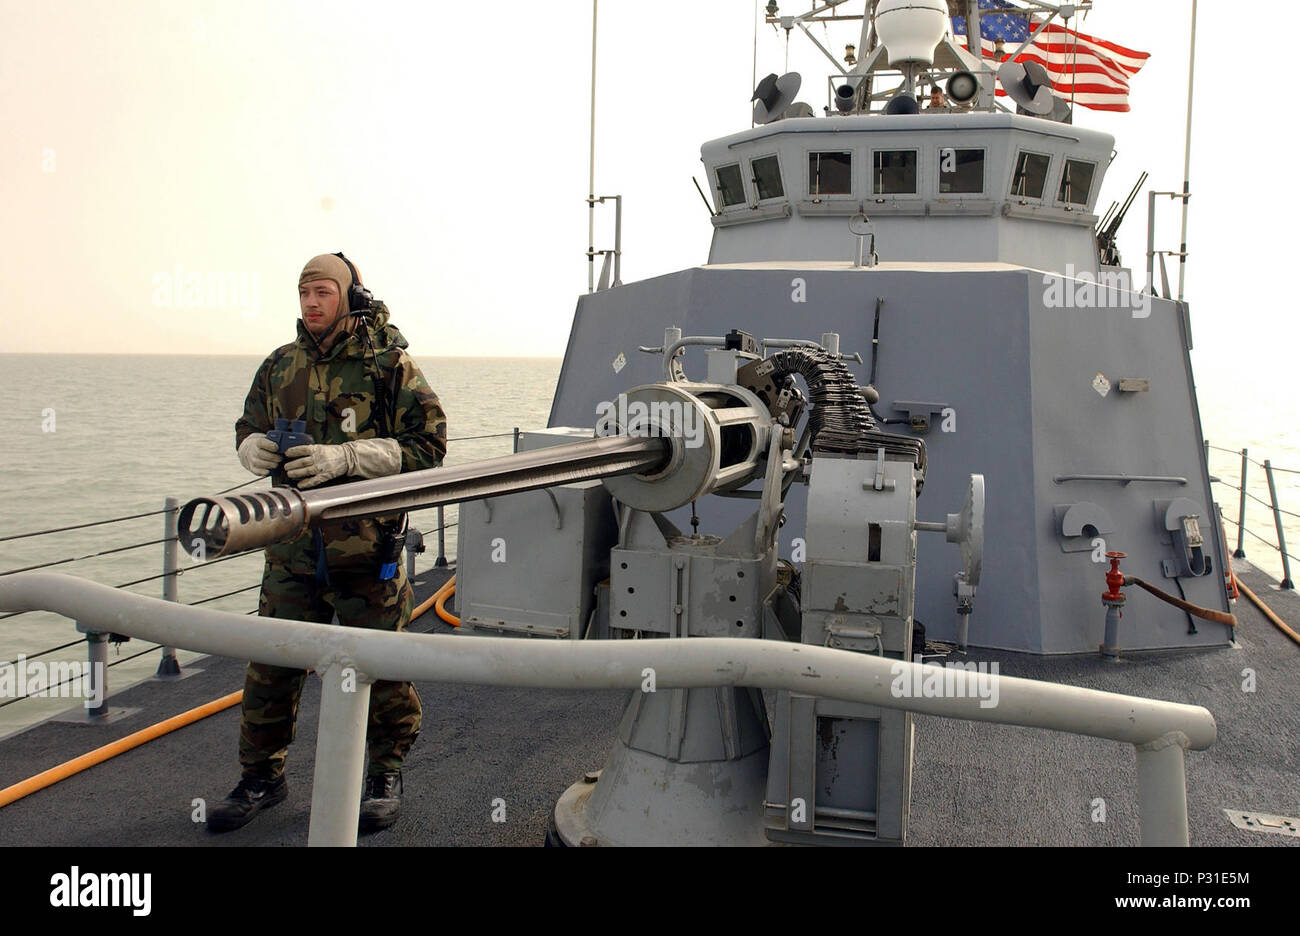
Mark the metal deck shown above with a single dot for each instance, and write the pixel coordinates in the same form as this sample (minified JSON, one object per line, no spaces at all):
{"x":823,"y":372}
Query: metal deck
{"x":973,"y":783}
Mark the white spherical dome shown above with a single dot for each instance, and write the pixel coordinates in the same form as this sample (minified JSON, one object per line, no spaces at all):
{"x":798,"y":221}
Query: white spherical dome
{"x":910,"y":29}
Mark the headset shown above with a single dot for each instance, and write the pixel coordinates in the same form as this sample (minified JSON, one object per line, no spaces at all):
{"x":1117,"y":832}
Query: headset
{"x":360,"y":303}
{"x":360,"y":299}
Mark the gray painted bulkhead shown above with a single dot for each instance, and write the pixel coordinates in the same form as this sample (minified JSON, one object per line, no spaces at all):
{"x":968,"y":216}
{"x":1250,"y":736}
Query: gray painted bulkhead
{"x":981,"y":339}
{"x":994,"y":225}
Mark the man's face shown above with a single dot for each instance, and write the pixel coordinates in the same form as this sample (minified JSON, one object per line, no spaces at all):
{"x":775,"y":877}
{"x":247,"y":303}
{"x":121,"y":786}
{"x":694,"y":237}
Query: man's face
{"x":319,"y":300}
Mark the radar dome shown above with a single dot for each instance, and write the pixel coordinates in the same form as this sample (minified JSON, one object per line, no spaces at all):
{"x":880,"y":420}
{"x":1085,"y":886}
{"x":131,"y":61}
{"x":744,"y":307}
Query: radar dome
{"x":910,"y":29}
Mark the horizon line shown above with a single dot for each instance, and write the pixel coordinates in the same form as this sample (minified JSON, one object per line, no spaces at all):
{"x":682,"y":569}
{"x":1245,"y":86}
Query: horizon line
{"x":502,"y":357}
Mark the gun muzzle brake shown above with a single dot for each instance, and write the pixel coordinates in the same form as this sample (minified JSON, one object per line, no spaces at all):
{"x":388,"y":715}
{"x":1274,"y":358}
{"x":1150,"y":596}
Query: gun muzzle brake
{"x":231,"y":524}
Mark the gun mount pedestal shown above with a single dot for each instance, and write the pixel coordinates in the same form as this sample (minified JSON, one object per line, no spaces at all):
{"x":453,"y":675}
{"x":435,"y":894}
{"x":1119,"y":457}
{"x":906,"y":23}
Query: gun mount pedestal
{"x":689,"y":767}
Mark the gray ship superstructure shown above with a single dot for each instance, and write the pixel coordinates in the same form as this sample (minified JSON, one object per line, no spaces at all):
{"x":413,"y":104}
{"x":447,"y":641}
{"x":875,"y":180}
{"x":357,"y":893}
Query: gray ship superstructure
{"x":988,"y":329}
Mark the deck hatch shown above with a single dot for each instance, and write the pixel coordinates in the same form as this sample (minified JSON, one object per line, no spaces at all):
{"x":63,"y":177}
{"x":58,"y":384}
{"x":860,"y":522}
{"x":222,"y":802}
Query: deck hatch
{"x":1264,"y":822}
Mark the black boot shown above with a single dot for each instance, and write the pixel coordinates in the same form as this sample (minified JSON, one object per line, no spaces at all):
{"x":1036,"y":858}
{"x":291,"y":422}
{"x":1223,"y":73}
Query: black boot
{"x":381,"y":801}
{"x":250,"y":796}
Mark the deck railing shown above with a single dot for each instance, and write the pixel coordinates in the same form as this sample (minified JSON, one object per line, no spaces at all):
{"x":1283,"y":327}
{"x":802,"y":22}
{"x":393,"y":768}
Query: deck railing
{"x":349,"y":659}
{"x":1273,"y":504}
{"x":168,"y":666}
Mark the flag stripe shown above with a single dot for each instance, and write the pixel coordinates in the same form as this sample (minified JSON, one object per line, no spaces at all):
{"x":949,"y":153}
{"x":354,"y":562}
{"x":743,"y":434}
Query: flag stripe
{"x":1094,"y":72}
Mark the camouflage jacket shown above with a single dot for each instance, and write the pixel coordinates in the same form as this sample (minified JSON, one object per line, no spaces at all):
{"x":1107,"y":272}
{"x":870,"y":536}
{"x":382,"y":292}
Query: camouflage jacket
{"x":334,"y":393}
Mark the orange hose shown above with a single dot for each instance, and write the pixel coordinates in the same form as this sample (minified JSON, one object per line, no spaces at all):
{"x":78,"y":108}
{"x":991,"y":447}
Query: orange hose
{"x":447,"y":589}
{"x":1218,"y":617}
{"x":67,"y":769}
{"x":440,"y":602}
{"x":1268,"y":612}
{"x":1230,"y":576}
{"x":120,"y":746}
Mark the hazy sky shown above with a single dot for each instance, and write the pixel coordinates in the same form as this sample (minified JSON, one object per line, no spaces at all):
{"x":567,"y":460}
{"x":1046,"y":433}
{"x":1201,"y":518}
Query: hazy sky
{"x":445,"y":150}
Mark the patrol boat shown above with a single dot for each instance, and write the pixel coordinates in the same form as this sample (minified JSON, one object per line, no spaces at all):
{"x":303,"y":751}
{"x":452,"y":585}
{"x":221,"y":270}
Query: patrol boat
{"x":889,"y":509}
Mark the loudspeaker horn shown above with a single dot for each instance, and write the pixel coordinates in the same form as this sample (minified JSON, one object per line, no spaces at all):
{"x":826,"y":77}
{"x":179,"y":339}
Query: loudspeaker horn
{"x":773,"y":95}
{"x":1029,"y":85}
{"x":962,"y":87}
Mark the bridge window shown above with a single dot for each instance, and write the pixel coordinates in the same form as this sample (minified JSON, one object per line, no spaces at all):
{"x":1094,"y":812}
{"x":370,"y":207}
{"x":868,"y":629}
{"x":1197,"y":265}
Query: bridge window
{"x":893,"y":172}
{"x":1030,"y":178}
{"x":767,"y":177}
{"x":961,"y":171}
{"x":830,"y":174}
{"x":1076,"y":182}
{"x":730,"y":187}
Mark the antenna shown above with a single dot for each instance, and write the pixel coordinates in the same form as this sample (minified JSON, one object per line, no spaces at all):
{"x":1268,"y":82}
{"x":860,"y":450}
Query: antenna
{"x":591,"y":162}
{"x":1187,"y":159}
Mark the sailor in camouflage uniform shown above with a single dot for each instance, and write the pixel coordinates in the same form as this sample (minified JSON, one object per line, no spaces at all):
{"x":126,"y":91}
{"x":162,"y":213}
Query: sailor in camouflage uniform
{"x":329,"y":378}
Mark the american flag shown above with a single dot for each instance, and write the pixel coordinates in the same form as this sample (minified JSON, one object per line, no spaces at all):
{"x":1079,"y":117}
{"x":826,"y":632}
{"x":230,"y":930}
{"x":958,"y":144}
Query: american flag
{"x":1092,"y":72}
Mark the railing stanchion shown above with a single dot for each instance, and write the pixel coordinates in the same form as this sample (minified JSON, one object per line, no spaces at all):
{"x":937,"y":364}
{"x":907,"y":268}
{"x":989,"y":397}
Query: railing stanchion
{"x":168,"y":665}
{"x":1277,"y":521}
{"x":516,"y":445}
{"x":441,"y":561}
{"x":1240,"y":552}
{"x":340,"y":757}
{"x":1162,"y":791}
{"x":414,"y":546}
{"x":97,"y":652}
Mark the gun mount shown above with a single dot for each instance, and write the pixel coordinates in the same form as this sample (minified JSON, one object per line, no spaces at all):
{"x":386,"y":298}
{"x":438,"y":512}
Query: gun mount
{"x":693,"y":766}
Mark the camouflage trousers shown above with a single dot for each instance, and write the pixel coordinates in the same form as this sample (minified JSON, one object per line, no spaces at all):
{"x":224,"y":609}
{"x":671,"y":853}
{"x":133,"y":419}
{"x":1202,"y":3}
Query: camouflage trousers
{"x":272,"y":693}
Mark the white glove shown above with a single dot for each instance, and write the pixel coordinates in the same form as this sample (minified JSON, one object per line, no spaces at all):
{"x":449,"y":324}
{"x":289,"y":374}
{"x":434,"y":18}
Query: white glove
{"x":375,"y":458}
{"x":365,"y":458}
{"x":259,"y":454}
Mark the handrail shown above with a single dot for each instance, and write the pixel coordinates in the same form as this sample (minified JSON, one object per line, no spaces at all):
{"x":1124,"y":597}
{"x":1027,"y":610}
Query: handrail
{"x":1124,"y":479}
{"x":63,"y":682}
{"x":1267,"y":542}
{"x":93,"y":523}
{"x":242,"y":484}
{"x":1160,"y":731}
{"x":1272,"y":504}
{"x":172,"y":573}
{"x":105,"y":552}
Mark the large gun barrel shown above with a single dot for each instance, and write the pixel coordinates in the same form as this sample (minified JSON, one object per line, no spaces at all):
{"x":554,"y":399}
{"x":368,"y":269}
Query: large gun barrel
{"x":235,"y":523}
